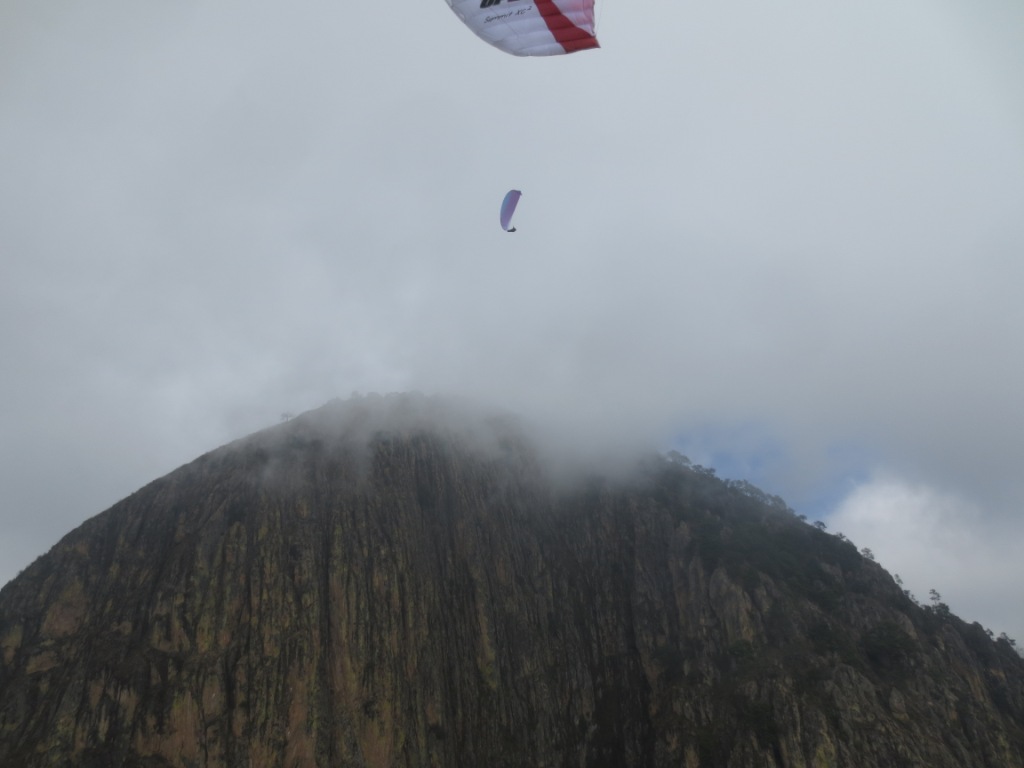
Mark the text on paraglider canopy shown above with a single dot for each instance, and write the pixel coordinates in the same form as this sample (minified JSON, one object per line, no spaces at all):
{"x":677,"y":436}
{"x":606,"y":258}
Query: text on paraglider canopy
{"x":508,"y":14}
{"x":489,"y":3}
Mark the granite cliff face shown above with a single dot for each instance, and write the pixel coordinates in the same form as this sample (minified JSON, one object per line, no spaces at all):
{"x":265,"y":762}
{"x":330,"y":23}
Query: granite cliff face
{"x":378,"y":583}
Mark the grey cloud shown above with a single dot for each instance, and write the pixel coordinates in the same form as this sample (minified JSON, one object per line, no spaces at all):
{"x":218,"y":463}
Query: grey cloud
{"x":791,"y":233}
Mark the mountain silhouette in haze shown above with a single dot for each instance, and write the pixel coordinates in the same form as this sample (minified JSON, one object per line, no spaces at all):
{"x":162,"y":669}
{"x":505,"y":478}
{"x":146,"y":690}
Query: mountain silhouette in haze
{"x":405,"y":581}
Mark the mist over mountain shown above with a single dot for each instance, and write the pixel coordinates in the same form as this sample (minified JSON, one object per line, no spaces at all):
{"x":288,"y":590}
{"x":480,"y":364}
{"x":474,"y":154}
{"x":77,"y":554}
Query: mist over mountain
{"x":417,"y":581}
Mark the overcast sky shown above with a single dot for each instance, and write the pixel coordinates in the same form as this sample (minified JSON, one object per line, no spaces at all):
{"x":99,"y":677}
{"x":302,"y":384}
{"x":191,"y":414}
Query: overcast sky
{"x":784,"y":238}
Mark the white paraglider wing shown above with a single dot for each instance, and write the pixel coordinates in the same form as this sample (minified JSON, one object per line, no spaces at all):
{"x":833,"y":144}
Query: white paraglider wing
{"x":531,"y":27}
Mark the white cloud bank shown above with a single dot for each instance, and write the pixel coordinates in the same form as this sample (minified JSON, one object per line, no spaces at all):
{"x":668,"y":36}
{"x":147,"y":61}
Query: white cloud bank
{"x":935,"y":539}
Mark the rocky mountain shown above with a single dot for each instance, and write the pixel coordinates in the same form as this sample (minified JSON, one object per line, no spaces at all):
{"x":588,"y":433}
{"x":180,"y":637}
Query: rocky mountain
{"x":389,"y":582}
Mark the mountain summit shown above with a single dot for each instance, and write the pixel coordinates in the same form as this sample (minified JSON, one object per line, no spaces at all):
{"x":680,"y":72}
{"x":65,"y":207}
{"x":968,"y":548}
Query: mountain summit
{"x":404,"y":582}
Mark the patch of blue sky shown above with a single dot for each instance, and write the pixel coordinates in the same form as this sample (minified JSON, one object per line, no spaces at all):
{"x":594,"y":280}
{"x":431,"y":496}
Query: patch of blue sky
{"x":811,"y":486}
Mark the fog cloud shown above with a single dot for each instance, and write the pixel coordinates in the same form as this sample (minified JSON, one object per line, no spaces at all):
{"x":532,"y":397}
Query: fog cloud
{"x":785,"y":239}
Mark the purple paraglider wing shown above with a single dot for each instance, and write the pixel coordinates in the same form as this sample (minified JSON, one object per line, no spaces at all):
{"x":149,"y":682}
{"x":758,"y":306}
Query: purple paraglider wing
{"x":508,"y":207}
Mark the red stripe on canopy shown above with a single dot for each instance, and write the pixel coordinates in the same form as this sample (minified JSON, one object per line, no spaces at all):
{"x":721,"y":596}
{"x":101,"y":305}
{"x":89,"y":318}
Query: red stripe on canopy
{"x":568,"y":35}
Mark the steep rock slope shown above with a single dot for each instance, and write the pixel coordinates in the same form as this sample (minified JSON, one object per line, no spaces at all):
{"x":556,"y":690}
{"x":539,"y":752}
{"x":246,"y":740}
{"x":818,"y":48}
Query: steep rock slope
{"x":386,"y":583}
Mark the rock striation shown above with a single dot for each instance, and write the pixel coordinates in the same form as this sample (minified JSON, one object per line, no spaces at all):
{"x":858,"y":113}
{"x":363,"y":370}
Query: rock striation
{"x":388,"y":582}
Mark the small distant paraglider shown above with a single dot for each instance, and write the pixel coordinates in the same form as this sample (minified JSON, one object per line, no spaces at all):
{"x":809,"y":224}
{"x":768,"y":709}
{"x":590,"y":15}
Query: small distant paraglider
{"x":537,"y":28}
{"x":508,"y":207}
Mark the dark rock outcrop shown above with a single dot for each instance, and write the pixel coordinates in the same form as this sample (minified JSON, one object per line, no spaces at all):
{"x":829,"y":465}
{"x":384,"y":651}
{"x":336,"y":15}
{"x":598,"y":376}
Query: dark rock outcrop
{"x":379,"y":583}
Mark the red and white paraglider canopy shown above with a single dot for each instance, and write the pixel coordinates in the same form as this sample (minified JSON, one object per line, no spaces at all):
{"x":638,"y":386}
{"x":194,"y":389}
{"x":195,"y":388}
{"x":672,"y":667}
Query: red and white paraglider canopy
{"x":531,"y":27}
